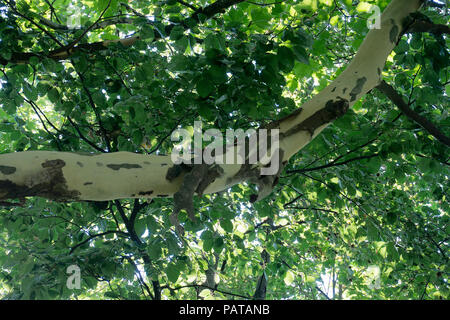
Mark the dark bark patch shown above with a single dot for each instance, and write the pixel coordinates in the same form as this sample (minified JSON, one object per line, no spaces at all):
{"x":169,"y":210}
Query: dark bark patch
{"x":54,"y":164}
{"x":80,"y":164}
{"x":358,"y":88}
{"x":99,"y":164}
{"x":332,"y":111}
{"x":177,"y":170}
{"x":145,"y":193}
{"x":163,"y":195}
{"x":333,"y":90}
{"x":123,"y":166}
{"x":50,"y":184}
{"x":344,"y":90}
{"x":88,"y":183}
{"x":276,"y":123}
{"x":163,"y":164}
{"x":393,"y":34}
{"x":6,"y":170}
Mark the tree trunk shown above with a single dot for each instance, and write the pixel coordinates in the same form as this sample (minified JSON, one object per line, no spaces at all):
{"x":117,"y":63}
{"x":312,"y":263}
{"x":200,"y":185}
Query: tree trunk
{"x":70,"y":176}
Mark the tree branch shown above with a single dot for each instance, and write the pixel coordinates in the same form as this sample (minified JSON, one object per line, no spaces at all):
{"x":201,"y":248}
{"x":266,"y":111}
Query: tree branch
{"x":94,"y":108}
{"x":51,"y":36}
{"x":334,"y":164}
{"x":217,"y":7}
{"x":74,"y":42}
{"x":206,"y":287}
{"x":140,"y":278}
{"x":129,"y":224}
{"x":397,"y":99}
{"x":425,"y":26}
{"x":190,"y":6}
{"x":93,"y":145}
{"x":265,"y":4}
{"x":66,"y":51}
{"x":97,"y":235}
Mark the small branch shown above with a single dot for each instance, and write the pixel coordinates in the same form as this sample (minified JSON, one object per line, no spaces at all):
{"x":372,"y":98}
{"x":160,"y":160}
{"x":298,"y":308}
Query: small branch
{"x":334,"y":164}
{"x":139,"y":276}
{"x":12,"y":204}
{"x":440,"y":161}
{"x":45,"y":127}
{"x":190,"y":6}
{"x":94,"y":108}
{"x":105,"y":22}
{"x":38,"y":110}
{"x":397,"y":99}
{"x":95,"y":236}
{"x":265,"y":4}
{"x":129,"y":8}
{"x":206,"y":287}
{"x":293,"y":200}
{"x":433,"y":4}
{"x":425,"y":290}
{"x":439,"y":247}
{"x":52,"y":10}
{"x":425,"y":26}
{"x":312,"y":208}
{"x":84,"y":138}
{"x":323,"y":293}
{"x":129,"y":224}
{"x":34,"y":23}
{"x":137,"y":207}
{"x":65,"y":52}
{"x":214,"y":8}
{"x":165,"y":137}
{"x":74,"y":42}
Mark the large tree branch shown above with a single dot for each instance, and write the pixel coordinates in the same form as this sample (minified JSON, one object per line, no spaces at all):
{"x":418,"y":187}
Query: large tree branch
{"x":397,"y":99}
{"x":69,"y":176}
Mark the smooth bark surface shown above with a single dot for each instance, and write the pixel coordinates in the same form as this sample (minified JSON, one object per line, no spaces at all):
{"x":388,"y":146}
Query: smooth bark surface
{"x":70,"y":176}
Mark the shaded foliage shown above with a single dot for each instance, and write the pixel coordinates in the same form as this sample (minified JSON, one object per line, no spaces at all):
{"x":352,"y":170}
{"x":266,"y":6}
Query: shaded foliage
{"x":369,"y":193}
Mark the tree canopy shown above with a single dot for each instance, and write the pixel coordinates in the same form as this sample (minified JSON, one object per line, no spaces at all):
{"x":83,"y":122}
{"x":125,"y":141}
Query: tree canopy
{"x":360,"y":212}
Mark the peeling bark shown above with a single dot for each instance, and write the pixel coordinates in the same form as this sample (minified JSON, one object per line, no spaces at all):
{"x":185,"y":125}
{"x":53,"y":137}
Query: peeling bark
{"x":70,"y":176}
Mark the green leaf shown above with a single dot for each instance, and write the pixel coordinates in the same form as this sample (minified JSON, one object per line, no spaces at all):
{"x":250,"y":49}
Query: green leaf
{"x":147,"y":33}
{"x":227,"y":225}
{"x":53,"y":95}
{"x":260,"y":17}
{"x":391,"y":217}
{"x":204,"y":87}
{"x":140,"y":227}
{"x":176,"y":33}
{"x":218,"y":74}
{"x":300,"y":54}
{"x":208,"y":244}
{"x":215,"y":42}
{"x":372,"y":232}
{"x":286,"y":58}
{"x":289,"y":278}
{"x":172,"y":272}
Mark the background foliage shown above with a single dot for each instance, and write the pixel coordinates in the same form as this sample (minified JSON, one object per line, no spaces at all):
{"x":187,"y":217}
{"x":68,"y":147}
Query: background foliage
{"x":360,"y":213}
